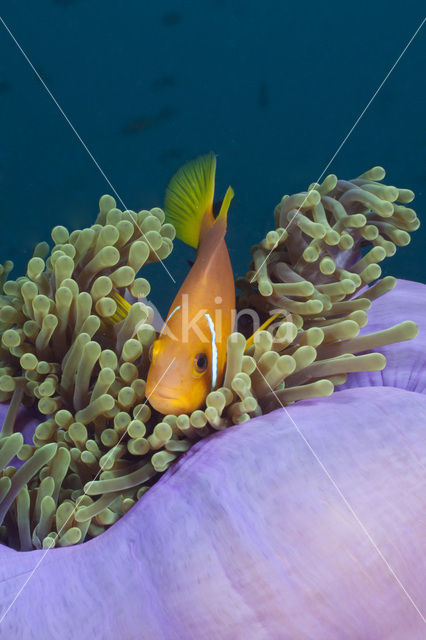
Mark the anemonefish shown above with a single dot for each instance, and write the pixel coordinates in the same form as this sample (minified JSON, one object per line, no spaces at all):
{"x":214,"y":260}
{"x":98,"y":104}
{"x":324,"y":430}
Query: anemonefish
{"x":189,"y":355}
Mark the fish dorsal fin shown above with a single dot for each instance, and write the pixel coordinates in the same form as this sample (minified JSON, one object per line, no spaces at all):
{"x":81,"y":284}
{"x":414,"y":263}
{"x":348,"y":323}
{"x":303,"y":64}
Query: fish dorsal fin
{"x":189,"y":197}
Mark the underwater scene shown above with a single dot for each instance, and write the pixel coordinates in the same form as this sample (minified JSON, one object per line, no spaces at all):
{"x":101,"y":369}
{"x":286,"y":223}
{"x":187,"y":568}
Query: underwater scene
{"x":212,"y":321}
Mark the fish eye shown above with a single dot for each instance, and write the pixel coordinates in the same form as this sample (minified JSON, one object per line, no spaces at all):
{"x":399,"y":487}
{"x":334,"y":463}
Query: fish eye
{"x":201,"y":362}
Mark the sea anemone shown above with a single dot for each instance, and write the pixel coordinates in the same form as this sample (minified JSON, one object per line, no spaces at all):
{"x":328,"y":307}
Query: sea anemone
{"x":247,"y":536}
{"x":100,"y":447}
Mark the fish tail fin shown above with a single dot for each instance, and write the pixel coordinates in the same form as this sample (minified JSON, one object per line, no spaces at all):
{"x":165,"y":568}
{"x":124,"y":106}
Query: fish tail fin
{"x":188,"y":202}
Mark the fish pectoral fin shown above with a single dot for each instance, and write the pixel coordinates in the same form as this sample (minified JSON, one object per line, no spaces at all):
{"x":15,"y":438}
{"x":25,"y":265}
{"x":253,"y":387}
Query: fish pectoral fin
{"x":266,"y":324}
{"x":188,"y":202}
{"x":224,"y":208}
{"x":123,"y":308}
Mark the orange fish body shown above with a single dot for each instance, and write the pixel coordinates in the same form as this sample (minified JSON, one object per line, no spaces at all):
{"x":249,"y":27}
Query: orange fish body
{"x":189,"y":356}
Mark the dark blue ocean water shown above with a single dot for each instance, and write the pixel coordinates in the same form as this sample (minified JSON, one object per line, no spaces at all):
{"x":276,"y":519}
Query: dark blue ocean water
{"x":273,"y":88}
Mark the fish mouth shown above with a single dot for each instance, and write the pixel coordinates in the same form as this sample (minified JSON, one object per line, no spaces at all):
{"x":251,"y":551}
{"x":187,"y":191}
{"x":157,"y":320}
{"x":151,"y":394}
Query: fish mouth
{"x":166,"y":400}
{"x":162,"y":395}
{"x":165,"y":403}
{"x":167,"y":396}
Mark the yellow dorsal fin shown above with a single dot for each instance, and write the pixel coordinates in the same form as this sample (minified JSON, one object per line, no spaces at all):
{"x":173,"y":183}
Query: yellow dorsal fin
{"x":266,"y":324}
{"x":189,"y":195}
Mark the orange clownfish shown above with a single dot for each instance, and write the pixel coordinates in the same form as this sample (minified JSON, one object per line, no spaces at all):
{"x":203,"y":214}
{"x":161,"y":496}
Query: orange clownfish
{"x":189,"y":355}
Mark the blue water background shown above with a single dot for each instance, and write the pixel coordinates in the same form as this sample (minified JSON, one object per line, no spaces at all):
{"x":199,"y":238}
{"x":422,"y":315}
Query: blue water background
{"x":273,"y":88}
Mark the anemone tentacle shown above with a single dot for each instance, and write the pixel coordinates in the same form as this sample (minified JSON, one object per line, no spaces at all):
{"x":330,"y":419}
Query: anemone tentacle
{"x":70,"y":349}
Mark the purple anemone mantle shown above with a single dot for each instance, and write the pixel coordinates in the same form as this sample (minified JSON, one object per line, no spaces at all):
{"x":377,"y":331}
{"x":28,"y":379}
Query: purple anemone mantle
{"x":303,"y":524}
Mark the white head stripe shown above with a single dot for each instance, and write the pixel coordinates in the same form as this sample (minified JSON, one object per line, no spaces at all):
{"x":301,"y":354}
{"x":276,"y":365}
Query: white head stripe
{"x":214,"y":350}
{"x":172,"y":314}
